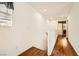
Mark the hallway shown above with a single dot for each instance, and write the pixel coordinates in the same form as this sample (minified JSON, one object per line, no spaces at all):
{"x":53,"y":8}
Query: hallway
{"x":63,"y":47}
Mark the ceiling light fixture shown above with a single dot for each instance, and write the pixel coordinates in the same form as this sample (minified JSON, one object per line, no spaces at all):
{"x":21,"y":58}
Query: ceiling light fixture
{"x":44,"y":10}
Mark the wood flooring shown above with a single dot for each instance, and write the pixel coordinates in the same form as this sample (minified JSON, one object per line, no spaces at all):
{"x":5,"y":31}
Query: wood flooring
{"x":33,"y":51}
{"x":63,"y":49}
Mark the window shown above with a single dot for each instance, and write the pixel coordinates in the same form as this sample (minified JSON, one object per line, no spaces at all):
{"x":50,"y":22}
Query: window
{"x":6,"y":11}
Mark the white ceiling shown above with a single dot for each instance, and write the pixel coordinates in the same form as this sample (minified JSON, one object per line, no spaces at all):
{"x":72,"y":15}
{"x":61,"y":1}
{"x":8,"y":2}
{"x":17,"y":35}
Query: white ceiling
{"x":52,"y":10}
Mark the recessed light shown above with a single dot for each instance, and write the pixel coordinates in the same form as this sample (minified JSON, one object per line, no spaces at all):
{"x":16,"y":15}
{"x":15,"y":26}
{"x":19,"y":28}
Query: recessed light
{"x":44,"y":10}
{"x":51,"y":18}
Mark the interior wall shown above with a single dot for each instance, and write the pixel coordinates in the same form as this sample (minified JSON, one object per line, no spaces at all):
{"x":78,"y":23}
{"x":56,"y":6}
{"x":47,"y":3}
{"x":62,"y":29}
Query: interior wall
{"x":52,"y":35}
{"x":28,"y":30}
{"x":73,"y":27}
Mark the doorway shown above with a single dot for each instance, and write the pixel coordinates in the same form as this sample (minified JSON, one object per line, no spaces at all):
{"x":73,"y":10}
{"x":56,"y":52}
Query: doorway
{"x":62,"y":28}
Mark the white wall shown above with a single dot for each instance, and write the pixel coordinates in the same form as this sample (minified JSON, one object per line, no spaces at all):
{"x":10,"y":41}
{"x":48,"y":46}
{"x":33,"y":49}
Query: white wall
{"x":51,"y":35}
{"x":74,"y":27}
{"x":28,"y":30}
